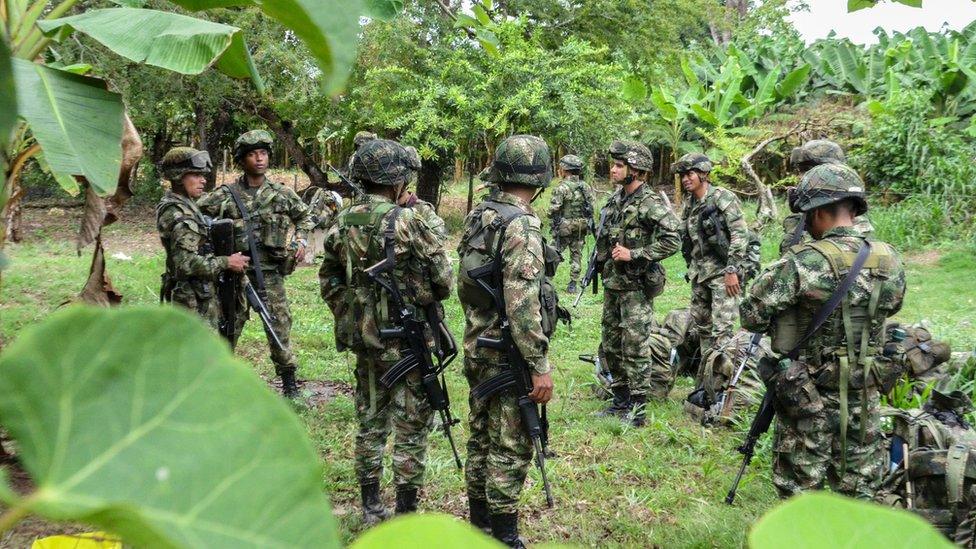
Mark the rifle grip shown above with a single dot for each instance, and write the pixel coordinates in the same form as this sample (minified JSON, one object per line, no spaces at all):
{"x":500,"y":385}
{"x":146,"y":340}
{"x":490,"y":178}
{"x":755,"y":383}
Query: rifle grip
{"x":490,"y":343}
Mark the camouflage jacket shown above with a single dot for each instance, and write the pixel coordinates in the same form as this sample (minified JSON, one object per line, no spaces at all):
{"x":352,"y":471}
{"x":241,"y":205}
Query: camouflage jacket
{"x":523,"y":272}
{"x":700,"y":238}
{"x":572,"y":199}
{"x":792,"y":222}
{"x":186,"y":239}
{"x":354,"y":243}
{"x":425,"y":211}
{"x":321,"y":206}
{"x":274,"y":210}
{"x":643,"y":223}
{"x":801,"y":281}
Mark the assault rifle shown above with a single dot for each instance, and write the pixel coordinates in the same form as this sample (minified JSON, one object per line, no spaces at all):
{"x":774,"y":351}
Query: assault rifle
{"x":357,"y":191}
{"x":410,"y":330}
{"x":600,"y":369}
{"x":725,"y":401}
{"x":517,"y":377}
{"x":760,"y":424}
{"x":593,"y":265}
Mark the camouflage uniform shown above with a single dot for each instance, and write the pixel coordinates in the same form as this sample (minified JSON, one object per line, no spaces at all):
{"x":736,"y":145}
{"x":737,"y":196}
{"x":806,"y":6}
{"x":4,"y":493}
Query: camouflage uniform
{"x":191,"y":266}
{"x":323,"y":205}
{"x":827,"y":430}
{"x":275,"y":210}
{"x":499,"y":449}
{"x":361,"y":138}
{"x":790,"y":227}
{"x":571,"y":206}
{"x":642,"y":222}
{"x":713,"y":311}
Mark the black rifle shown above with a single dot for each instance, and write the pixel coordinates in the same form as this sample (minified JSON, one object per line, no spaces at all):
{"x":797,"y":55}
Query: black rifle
{"x":725,"y":401}
{"x":357,"y":191}
{"x":410,"y":330}
{"x":222,"y":236}
{"x":593,"y":266}
{"x":517,"y":377}
{"x":760,"y":424}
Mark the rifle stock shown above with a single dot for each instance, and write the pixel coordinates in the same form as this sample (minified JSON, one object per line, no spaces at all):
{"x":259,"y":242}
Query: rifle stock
{"x":727,"y":397}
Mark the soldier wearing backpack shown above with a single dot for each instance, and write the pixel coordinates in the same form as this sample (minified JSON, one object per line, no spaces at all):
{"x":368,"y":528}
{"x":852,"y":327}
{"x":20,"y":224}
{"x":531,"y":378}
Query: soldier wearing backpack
{"x":571,"y":214}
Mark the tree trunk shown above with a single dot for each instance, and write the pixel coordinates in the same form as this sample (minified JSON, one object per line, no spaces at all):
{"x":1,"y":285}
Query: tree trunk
{"x":285,"y":131}
{"x":458,"y":168}
{"x":429,"y":181}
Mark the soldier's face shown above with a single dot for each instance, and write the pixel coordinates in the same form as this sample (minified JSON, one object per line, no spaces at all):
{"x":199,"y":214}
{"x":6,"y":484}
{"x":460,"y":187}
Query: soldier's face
{"x":193,"y":184}
{"x":692,"y":181}
{"x":618,"y":171}
{"x":256,"y":162}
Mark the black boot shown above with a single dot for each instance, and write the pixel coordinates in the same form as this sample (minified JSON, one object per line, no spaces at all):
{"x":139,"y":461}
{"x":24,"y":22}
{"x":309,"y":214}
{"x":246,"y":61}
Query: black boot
{"x":620,"y":404}
{"x":505,"y":529}
{"x":406,"y":499}
{"x":289,"y":387}
{"x":637,"y":414}
{"x":571,"y":289}
{"x":373,"y":510}
{"x":478,"y":514}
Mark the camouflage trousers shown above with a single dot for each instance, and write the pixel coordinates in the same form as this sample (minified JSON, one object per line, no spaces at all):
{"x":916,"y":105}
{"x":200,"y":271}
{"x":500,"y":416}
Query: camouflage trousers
{"x":808,"y":456}
{"x":405,"y":410}
{"x":207,"y":307}
{"x":499,"y":450}
{"x":714,"y":314}
{"x":572,"y":236}
{"x":628,"y":320}
{"x":277,"y":303}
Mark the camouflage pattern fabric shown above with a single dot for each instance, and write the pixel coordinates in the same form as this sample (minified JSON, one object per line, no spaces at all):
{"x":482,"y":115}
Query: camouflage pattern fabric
{"x":714,"y":315}
{"x":816,"y":152}
{"x":684,"y":341}
{"x":780,"y":303}
{"x":629,"y":346}
{"x":499,"y":451}
{"x":191,"y":266}
{"x":322,"y":206}
{"x":522,"y":159}
{"x":425,"y":212}
{"x":275,"y":210}
{"x":861,"y":223}
{"x":719,"y":366}
{"x":570,"y":202}
{"x":360,"y":308}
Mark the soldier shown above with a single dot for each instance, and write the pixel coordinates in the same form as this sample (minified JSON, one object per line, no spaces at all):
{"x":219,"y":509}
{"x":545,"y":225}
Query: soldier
{"x":571,"y":214}
{"x":640,"y":231}
{"x":323,"y":205}
{"x":355,"y":242}
{"x":802,"y":159}
{"x":264,"y":212}
{"x":827,"y":389}
{"x":191,"y":266}
{"x":715,"y":245}
{"x":360,"y":139}
{"x":500,"y":450}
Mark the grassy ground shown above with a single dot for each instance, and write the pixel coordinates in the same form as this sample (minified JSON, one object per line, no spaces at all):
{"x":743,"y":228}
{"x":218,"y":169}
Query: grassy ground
{"x":614,"y":486}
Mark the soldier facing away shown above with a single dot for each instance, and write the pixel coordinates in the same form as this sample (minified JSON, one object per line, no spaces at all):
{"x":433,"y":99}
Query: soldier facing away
{"x":640,"y":231}
{"x":827,"y":390}
{"x":264,"y":212}
{"x":571,"y":214}
{"x":499,"y":448}
{"x":355,"y":242}
{"x":191,"y":266}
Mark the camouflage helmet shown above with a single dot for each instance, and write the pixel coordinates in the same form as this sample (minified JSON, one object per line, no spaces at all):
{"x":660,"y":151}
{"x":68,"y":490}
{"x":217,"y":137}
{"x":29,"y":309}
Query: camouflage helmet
{"x":522,"y":159}
{"x":816,"y":152}
{"x":413,"y":158}
{"x":639,"y":157}
{"x":571,"y":163}
{"x":362,"y":137}
{"x":382,"y":162}
{"x":179,"y":161}
{"x":692,"y":161}
{"x":252,"y":141}
{"x":829,"y":183}
{"x":619,"y":148}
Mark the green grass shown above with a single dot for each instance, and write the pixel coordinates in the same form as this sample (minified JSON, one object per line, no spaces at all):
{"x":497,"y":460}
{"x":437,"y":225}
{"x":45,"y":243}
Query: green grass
{"x":614,"y":486}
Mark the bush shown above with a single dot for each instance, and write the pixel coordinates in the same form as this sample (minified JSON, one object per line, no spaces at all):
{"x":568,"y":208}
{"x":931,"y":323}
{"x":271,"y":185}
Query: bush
{"x":921,"y":221}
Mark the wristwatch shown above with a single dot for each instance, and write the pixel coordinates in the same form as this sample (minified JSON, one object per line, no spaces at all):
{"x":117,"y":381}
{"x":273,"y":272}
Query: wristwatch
{"x":731,"y":269}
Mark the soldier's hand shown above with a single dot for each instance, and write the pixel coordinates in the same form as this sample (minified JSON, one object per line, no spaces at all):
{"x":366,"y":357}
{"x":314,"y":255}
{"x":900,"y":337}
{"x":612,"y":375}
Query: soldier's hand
{"x":732,"y":286}
{"x":237,"y":262}
{"x":541,"y":388}
{"x":619,"y":253}
{"x":300,"y":254}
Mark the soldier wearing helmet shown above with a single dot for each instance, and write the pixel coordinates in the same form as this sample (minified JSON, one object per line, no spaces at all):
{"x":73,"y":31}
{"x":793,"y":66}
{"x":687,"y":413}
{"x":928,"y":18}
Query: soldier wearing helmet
{"x":571,"y":214}
{"x":714,"y":242}
{"x":264,"y":214}
{"x":827,"y":416}
{"x":191,"y":266}
{"x":361,"y":237}
{"x":504,"y":228}
{"x":361,"y":138}
{"x":802,"y":159}
{"x":639,"y":232}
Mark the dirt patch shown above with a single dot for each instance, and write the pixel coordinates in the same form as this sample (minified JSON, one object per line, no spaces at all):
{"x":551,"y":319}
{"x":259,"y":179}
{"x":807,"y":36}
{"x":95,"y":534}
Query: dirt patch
{"x":928,"y":257}
{"x":315,"y":392}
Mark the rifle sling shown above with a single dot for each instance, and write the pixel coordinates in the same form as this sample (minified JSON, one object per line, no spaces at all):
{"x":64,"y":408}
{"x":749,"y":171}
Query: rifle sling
{"x":798,"y":232}
{"x":252,"y":246}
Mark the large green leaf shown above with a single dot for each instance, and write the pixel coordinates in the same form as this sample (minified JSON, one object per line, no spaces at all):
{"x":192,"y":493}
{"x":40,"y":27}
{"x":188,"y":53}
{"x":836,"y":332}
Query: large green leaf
{"x":77,"y":122}
{"x":634,"y":89}
{"x":792,"y":82}
{"x":828,"y":521}
{"x":140,"y":421}
{"x":169,"y":40}
{"x":424,"y":532}
{"x":664,"y":103}
{"x":8,"y":109}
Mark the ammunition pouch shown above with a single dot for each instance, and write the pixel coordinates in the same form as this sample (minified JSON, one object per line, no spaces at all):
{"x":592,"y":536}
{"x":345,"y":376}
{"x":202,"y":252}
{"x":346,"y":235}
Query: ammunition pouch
{"x":653,"y":280}
{"x":796,"y":394}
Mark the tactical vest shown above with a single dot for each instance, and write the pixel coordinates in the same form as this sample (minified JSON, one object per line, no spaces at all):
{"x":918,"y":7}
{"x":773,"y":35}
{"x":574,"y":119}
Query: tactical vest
{"x":203,"y":288}
{"x":481,"y":244}
{"x":577,"y":205}
{"x":650,"y":279}
{"x":716,"y":236}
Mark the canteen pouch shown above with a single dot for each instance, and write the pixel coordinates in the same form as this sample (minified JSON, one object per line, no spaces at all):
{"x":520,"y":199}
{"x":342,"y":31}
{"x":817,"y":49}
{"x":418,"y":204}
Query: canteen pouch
{"x":796,"y":394}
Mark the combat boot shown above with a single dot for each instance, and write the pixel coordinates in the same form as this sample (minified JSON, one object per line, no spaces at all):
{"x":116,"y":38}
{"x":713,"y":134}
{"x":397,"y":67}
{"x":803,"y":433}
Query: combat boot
{"x":504,"y":527}
{"x":478,"y":514}
{"x":571,"y":289}
{"x":373,"y":510}
{"x":406,"y":499}
{"x":289,"y":387}
{"x":620,"y":404}
{"x":638,"y":412}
